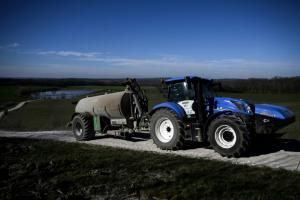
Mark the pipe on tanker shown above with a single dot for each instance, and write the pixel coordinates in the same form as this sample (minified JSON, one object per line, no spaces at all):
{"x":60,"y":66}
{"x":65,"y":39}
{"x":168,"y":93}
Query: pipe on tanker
{"x":137,"y":103}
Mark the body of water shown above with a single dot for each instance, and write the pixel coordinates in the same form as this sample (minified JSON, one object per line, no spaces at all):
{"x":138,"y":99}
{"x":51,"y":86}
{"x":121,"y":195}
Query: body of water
{"x":60,"y":94}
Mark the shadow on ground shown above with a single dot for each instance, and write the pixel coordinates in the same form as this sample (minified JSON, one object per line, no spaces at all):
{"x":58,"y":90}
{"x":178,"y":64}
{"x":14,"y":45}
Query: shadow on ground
{"x":265,"y":144}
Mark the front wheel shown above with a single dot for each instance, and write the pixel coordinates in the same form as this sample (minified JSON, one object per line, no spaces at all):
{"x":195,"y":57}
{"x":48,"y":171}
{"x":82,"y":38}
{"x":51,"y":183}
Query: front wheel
{"x":229,"y":136}
{"x":167,"y":130}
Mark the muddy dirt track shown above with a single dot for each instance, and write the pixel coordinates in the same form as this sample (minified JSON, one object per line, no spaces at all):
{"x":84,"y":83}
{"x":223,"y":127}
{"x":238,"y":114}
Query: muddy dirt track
{"x":278,"y":153}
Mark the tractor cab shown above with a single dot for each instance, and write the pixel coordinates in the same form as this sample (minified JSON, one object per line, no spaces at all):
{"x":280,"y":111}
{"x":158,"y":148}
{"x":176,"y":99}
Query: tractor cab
{"x":195,"y":95}
{"x":180,"y":89}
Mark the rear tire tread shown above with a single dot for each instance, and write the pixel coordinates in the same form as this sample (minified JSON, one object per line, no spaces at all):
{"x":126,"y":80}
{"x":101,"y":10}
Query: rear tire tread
{"x":88,"y":129}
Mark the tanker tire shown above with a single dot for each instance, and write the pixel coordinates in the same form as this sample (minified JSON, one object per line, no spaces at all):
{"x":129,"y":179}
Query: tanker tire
{"x":82,"y":127}
{"x":174,"y":134}
{"x":228,"y":135}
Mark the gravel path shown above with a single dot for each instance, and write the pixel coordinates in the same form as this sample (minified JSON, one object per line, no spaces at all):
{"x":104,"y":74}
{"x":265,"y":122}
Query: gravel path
{"x":280,"y":154}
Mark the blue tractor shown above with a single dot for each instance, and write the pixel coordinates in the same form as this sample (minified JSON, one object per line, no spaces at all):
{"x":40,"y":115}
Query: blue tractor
{"x":192,"y":112}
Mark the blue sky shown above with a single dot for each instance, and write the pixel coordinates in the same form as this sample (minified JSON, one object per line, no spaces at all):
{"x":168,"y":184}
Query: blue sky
{"x":126,"y":38}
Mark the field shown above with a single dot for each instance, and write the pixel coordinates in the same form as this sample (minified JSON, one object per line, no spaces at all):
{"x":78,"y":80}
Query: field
{"x":32,"y":169}
{"x":55,"y":114}
{"x":10,"y":95}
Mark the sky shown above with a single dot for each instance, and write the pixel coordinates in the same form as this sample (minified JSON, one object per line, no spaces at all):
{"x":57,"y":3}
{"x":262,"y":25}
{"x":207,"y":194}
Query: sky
{"x":145,"y":39}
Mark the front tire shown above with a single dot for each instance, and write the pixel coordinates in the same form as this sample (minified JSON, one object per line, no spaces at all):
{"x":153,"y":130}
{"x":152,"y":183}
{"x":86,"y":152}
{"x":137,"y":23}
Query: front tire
{"x":229,"y":136}
{"x":82,"y":126}
{"x":167,"y":130}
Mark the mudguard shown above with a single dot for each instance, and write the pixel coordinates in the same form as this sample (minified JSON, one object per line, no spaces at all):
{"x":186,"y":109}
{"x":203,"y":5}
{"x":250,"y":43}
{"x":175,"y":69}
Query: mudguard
{"x":172,"y":106}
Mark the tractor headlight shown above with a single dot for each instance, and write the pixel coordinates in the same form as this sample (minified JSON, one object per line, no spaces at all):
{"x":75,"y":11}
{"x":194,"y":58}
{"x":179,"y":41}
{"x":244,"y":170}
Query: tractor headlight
{"x":248,"y":109}
{"x":242,"y":106}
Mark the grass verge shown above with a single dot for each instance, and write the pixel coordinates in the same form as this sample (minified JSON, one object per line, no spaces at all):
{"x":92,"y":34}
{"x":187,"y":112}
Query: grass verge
{"x":39,"y":115}
{"x":10,"y":95}
{"x":34,"y":169}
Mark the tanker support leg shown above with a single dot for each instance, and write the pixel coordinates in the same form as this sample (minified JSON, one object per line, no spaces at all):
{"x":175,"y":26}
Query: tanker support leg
{"x":97,"y":124}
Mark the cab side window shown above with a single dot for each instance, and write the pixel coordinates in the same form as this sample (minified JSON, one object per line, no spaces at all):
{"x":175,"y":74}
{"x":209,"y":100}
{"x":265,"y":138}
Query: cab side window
{"x":177,"y":92}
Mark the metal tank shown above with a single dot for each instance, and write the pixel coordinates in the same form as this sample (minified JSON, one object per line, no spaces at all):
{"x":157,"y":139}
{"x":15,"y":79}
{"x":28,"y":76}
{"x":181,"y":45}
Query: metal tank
{"x":113,"y":106}
{"x":125,"y":111}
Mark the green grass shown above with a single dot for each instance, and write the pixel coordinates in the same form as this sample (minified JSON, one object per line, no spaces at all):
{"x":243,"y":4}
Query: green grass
{"x":11,"y":95}
{"x":39,"y":115}
{"x":32,"y":169}
{"x":154,"y":96}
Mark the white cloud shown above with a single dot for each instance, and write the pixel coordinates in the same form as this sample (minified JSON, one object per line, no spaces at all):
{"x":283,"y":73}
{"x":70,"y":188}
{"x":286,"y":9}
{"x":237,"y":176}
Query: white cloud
{"x":13,"y":45}
{"x":162,"y":61}
{"x":94,"y":64}
{"x":71,"y":53}
{"x":227,"y":68}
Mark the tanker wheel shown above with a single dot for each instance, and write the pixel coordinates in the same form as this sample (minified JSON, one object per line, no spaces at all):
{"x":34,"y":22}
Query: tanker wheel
{"x":229,"y":136}
{"x":167,"y":130}
{"x":82,"y":127}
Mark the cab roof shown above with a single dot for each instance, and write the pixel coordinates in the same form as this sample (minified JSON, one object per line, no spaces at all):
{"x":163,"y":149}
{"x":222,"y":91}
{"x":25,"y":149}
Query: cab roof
{"x":183,"y":78}
{"x":178,"y":79}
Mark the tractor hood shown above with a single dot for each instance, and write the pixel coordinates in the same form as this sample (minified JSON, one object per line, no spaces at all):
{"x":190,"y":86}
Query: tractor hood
{"x":244,"y":106}
{"x":274,"y":111}
{"x":268,"y":118}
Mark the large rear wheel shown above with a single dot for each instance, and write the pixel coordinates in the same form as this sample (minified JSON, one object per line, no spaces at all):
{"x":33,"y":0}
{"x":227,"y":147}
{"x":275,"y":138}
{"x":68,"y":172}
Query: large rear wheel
{"x":82,"y":127}
{"x":167,"y":130}
{"x":229,"y":136}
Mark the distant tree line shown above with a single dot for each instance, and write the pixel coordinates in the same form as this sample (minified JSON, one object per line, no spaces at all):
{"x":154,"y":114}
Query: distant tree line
{"x":253,"y":85}
{"x":274,"y":85}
